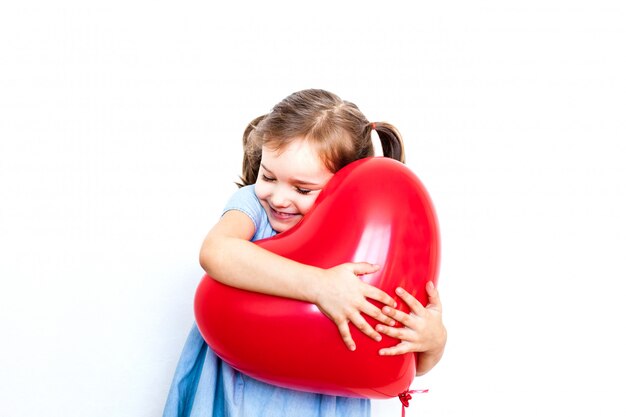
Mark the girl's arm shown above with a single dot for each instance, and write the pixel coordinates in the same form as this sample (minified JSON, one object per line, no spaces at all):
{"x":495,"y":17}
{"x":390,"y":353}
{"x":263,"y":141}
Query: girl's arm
{"x":423,"y":329}
{"x":228,"y":256}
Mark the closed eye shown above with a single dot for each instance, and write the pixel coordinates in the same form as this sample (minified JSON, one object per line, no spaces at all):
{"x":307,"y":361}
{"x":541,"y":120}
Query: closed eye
{"x":266,"y":178}
{"x":303,"y":190}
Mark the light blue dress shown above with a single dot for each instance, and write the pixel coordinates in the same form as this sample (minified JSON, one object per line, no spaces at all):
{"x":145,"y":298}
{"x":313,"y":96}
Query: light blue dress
{"x":205,"y":386}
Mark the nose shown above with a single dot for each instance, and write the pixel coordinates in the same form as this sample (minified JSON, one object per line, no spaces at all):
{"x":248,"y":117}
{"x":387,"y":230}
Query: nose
{"x":279,"y":198}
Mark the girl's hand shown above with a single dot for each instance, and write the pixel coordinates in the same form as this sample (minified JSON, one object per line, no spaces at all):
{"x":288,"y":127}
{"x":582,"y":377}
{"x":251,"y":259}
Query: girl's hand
{"x":342,"y":297}
{"x":423,"y":329}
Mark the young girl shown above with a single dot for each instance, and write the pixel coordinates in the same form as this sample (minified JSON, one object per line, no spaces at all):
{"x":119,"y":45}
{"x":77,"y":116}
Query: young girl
{"x":290,"y":154}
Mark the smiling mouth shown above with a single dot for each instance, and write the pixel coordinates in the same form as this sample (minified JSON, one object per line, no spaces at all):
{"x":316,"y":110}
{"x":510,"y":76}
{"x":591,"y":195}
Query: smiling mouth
{"x":282,"y":215}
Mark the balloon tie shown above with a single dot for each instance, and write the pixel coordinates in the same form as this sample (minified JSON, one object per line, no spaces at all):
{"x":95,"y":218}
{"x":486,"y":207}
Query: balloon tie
{"x":406,"y":396}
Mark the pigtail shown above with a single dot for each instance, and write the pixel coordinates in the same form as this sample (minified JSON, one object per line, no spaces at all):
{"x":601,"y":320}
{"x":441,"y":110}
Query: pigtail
{"x":390,"y":140}
{"x":251,"y":154}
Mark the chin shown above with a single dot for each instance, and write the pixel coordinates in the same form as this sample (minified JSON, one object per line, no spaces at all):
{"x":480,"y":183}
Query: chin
{"x":281,"y":227}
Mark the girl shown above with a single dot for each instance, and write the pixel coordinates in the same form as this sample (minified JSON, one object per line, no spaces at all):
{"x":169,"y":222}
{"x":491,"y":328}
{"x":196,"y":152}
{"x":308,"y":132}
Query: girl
{"x":289,"y":155}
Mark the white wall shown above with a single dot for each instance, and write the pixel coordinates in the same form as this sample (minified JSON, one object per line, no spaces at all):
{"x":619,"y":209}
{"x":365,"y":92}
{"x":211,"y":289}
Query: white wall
{"x":119,"y":141}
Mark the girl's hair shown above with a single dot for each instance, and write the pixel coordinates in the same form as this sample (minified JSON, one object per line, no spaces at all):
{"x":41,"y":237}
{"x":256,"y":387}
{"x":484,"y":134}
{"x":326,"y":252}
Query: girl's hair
{"x":337,"y":128}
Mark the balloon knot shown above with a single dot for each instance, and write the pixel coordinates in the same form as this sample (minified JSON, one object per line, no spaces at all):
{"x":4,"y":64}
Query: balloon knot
{"x":406,"y":396}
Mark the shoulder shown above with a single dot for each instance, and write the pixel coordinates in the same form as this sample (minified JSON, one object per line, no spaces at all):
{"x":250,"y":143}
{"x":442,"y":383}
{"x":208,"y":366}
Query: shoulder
{"x":246,"y":201}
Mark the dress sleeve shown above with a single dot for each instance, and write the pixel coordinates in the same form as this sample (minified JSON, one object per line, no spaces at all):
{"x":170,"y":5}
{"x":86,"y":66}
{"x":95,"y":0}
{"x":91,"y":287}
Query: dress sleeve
{"x":245,"y":201}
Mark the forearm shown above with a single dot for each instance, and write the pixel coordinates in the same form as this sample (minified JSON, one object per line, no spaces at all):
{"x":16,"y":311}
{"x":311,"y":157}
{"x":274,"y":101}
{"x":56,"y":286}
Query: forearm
{"x":228,"y":256}
{"x":243,"y":264}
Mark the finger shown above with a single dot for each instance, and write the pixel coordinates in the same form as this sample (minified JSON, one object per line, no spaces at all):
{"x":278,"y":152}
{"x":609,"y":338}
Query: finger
{"x":360,"y":323}
{"x":379,"y":295}
{"x":399,"y":316}
{"x":400,"y":333}
{"x":415,"y":306}
{"x":362,"y":268}
{"x":344,"y":331}
{"x":434,"y":302}
{"x":399,"y":349}
{"x":375,"y":313}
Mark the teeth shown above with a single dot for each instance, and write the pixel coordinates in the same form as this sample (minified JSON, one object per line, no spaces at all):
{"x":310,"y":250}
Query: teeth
{"x":282,"y":214}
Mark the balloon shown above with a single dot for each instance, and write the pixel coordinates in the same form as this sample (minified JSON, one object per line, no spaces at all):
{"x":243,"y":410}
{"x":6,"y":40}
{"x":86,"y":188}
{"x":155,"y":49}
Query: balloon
{"x":373,"y":210}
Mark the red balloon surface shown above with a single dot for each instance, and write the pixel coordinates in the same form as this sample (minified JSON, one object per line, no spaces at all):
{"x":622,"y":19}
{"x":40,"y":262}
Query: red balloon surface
{"x":373,"y":210}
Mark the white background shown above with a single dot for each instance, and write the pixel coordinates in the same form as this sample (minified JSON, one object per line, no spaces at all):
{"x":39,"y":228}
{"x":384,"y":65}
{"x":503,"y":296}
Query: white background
{"x":120,"y":125}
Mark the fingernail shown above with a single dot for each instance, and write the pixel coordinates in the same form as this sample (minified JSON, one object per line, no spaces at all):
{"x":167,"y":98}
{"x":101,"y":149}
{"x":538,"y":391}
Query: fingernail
{"x":393,"y":323}
{"x":430,"y":285}
{"x":378,"y":338}
{"x":352,"y":348}
{"x":399,"y":290}
{"x":386,"y":310}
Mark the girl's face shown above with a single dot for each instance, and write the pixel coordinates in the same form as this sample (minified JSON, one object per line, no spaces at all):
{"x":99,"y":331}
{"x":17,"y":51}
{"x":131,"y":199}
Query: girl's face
{"x":289,"y":181}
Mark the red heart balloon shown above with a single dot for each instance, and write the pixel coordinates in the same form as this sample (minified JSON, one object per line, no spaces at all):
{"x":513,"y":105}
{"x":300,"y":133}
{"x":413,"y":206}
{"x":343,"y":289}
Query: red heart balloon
{"x":373,"y":210}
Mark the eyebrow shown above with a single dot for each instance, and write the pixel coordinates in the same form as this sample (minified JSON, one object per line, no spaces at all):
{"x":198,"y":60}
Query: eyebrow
{"x":294,"y":180}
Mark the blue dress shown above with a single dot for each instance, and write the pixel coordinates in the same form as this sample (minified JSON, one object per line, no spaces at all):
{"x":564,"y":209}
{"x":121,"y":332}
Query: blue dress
{"x":206,"y":386}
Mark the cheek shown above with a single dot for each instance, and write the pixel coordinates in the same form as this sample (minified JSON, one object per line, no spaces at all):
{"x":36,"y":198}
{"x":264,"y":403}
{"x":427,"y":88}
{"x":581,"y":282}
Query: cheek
{"x":261,"y":190}
{"x":305,"y":205}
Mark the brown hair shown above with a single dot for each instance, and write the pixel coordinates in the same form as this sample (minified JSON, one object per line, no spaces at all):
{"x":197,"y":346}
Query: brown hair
{"x":337,"y":128}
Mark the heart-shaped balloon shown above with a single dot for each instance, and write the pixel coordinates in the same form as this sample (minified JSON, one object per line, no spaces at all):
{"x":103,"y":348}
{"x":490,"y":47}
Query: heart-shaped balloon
{"x":373,"y":210}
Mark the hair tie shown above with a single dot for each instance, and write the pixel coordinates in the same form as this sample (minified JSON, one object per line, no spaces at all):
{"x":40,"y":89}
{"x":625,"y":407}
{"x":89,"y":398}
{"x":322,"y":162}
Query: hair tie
{"x":373,"y":125}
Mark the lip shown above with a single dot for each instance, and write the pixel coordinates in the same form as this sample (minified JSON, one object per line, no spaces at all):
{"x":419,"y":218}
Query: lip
{"x":281,"y":215}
